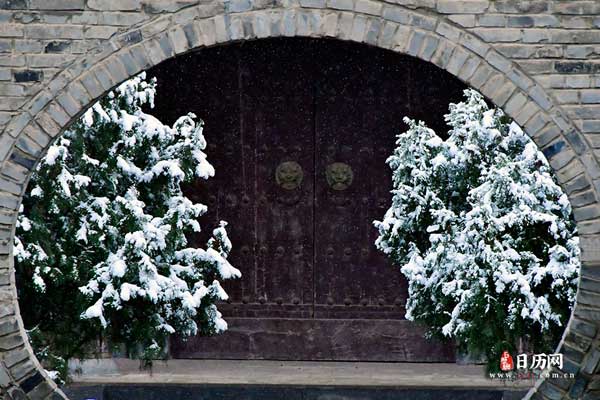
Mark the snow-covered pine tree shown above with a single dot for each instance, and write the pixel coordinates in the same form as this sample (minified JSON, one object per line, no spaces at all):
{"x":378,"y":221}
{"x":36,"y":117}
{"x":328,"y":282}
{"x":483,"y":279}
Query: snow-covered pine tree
{"x":101,"y":247}
{"x":482,"y":232}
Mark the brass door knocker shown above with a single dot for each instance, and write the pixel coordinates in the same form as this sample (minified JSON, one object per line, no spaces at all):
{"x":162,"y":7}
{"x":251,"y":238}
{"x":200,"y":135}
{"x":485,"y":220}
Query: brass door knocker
{"x":289,"y":175}
{"x":339,"y":176}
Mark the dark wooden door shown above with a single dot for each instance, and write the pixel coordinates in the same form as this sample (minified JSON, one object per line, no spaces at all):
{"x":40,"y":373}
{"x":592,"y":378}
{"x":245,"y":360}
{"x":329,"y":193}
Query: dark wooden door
{"x":299,"y":148}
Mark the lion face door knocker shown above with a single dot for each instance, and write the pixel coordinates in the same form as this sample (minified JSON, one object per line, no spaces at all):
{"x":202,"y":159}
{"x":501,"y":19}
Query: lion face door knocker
{"x":339,"y":176}
{"x":289,"y":176}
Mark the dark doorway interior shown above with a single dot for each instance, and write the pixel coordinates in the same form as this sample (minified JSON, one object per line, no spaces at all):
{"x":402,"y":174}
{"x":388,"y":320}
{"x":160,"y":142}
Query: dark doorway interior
{"x":298,"y":132}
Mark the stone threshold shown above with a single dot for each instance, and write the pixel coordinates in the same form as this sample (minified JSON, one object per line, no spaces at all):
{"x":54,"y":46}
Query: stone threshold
{"x":121,"y":371}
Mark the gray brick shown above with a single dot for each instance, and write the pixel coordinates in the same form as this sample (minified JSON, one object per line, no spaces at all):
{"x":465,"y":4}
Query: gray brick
{"x":590,"y":96}
{"x":587,"y":212}
{"x":520,"y":21}
{"x":443,"y":53}
{"x":480,"y":76}
{"x":577,"y":7}
{"x":429,"y":47}
{"x":41,"y":391}
{"x":449,"y":31}
{"x":469,"y":68}
{"x":475,"y":44}
{"x":8,"y":326}
{"x":69,"y":104}
{"x":5,"y":380}
{"x":386,"y":36}
{"x":13,"y":357}
{"x":368,"y":7}
{"x":396,"y":14}
{"x":240,"y":5}
{"x":462,"y":7}
{"x":13,"y":5}
{"x":457,"y":60}
{"x":28,"y":46}
{"x":591,"y":126}
{"x":21,"y":370}
{"x":465,"y":20}
{"x":582,"y":51}
{"x":119,"y":18}
{"x":491,"y":20}
{"x":340,"y":4}
{"x":423,"y":22}
{"x":373,"y":31}
{"x":498,"y":35}
{"x":54,"y":31}
{"x":11,"y":30}
{"x":55,"y":5}
{"x":100,"y":32}
{"x":111,"y":5}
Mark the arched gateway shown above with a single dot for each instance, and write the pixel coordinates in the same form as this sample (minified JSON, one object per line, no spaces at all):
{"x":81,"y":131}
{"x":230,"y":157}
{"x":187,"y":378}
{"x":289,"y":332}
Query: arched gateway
{"x":481,"y":42}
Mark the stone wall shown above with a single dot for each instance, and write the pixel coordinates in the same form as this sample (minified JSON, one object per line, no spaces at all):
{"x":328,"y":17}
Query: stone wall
{"x":539,"y":60}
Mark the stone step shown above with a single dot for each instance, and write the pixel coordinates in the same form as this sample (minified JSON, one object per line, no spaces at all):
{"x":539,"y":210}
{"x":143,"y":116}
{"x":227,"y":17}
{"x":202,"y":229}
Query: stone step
{"x":279,"y":392}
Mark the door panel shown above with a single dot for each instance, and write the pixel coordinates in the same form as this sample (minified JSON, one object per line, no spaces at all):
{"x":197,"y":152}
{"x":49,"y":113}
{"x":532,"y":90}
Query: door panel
{"x":284,"y":213}
{"x":299,"y":149}
{"x":353,"y":279}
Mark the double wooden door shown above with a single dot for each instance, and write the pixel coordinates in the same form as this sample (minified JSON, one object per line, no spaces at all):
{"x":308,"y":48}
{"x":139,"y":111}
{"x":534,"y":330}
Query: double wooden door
{"x":299,"y":132}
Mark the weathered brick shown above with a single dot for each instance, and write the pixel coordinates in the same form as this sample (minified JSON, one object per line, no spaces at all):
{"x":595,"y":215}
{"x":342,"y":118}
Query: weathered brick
{"x":480,"y":76}
{"x":41,"y":390}
{"x":340,"y":4}
{"x":449,"y":31}
{"x":429,"y":47}
{"x":576,"y":7}
{"x":469,"y":68}
{"x":49,"y":60}
{"x":423,"y":22}
{"x":100,"y":32}
{"x":371,"y":31}
{"x":11,"y":30}
{"x":368,"y":7}
{"x":491,"y":20}
{"x":475,"y":44}
{"x":590,"y":96}
{"x":587,"y":212}
{"x":465,"y":20}
{"x":13,"y":5}
{"x":578,"y":81}
{"x":457,"y":60}
{"x":55,"y":5}
{"x":54,"y":31}
{"x":530,"y":51}
{"x":118,"y":18}
{"x":498,"y":35}
{"x":396,"y":14}
{"x":21,"y":370}
{"x":463,"y":6}
{"x":8,"y":326}
{"x":591,"y":126}
{"x":111,"y":5}
{"x":57,"y":46}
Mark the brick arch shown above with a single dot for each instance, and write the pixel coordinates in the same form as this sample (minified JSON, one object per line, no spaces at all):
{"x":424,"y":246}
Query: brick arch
{"x":424,"y":34}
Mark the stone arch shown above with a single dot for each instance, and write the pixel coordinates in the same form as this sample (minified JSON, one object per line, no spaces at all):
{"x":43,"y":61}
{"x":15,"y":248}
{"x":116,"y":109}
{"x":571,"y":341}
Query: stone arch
{"x":424,"y":35}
